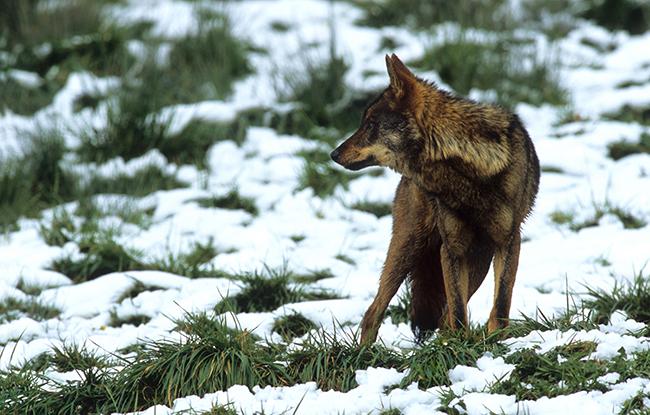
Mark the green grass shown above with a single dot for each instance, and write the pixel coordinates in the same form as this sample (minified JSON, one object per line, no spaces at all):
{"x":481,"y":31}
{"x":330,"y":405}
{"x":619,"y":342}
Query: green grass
{"x":491,"y":14}
{"x":632,"y":16}
{"x":76,"y":39}
{"x":101,"y":254}
{"x":14,"y":308}
{"x":552,"y":169}
{"x":24,"y":100}
{"x":136,"y":320}
{"x":635,"y":405}
{"x":144,"y":181}
{"x":205,"y":64}
{"x":633,"y":298}
{"x":630,"y":114}
{"x":231,"y":200}
{"x":496,"y":66}
{"x":378,"y":209}
{"x":134,"y":125}
{"x":90,"y":208}
{"x":136,"y":289}
{"x":312,"y":276}
{"x":29,"y":288}
{"x":64,"y":227}
{"x":325,"y":107}
{"x":70,"y":357}
{"x":292,"y":325}
{"x":24,"y":22}
{"x":429,"y":365}
{"x":28,"y":392}
{"x":400,"y":312}
{"x":60,"y":229}
{"x":192,"y":144}
{"x":346,"y":259}
{"x":331,"y":361}
{"x":212,"y":357}
{"x":629,"y":219}
{"x":268,"y":290}
{"x":191,"y":264}
{"x":36,"y":178}
{"x":623,"y":148}
{"x":538,"y":375}
{"x":323,"y":178}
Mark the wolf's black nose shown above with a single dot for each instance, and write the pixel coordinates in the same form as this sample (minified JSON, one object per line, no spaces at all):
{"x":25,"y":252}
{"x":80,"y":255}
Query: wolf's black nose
{"x":335,"y":154}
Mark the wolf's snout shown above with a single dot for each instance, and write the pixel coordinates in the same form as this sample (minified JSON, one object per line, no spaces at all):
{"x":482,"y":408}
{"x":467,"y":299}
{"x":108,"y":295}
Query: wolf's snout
{"x":335,"y":154}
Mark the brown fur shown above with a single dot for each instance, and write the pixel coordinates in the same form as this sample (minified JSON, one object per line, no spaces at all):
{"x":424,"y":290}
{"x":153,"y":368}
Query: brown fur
{"x":469,"y":179}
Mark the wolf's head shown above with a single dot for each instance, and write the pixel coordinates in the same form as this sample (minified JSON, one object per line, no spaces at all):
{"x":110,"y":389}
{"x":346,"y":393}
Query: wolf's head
{"x":389,"y":134}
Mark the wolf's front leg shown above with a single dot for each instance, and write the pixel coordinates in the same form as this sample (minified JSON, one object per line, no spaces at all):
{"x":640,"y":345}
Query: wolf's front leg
{"x":396,"y":268}
{"x":506,"y":261}
{"x":413,"y":224}
{"x":455,"y":269}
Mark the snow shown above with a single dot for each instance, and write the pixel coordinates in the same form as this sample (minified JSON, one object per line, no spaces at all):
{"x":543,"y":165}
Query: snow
{"x":555,"y":262}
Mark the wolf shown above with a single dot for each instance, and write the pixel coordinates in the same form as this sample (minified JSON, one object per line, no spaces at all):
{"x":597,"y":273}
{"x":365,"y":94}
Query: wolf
{"x":470,"y":175}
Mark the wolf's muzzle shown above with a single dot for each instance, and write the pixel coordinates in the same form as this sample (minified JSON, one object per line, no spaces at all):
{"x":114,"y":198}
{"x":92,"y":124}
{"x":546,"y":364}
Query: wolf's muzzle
{"x":335,"y":154}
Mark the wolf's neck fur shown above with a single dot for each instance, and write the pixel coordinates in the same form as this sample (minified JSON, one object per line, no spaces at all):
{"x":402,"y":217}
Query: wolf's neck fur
{"x":458,"y":128}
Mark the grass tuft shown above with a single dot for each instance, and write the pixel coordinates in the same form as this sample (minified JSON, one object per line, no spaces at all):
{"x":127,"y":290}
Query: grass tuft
{"x":331,"y":361}
{"x":101,"y":254}
{"x":627,"y":218}
{"x":136,"y":320}
{"x":266,"y":291}
{"x":28,"y":391}
{"x":630,"y":114}
{"x":378,"y":209}
{"x":633,"y":298}
{"x":203,"y":65}
{"x":14,"y":308}
{"x":211,"y":357}
{"x":35,"y":179}
{"x":144,"y":181}
{"x":231,"y":200}
{"x":293,"y":325}
{"x":430,"y":364}
{"x":192,"y":264}
{"x":619,"y":149}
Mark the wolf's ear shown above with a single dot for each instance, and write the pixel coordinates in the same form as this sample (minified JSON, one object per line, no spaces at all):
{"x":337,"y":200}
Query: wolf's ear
{"x":401,"y":78}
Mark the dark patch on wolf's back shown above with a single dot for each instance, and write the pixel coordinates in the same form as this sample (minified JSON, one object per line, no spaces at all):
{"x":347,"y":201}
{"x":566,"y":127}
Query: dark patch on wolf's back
{"x":491,"y":134}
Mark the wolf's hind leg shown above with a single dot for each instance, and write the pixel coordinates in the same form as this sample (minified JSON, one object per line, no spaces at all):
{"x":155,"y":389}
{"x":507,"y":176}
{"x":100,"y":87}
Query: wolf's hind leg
{"x":506,"y":260}
{"x":428,"y":299}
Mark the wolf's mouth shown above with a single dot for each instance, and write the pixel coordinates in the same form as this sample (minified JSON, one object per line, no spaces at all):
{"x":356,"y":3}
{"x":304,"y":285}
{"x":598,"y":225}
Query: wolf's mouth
{"x":358,"y":165}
